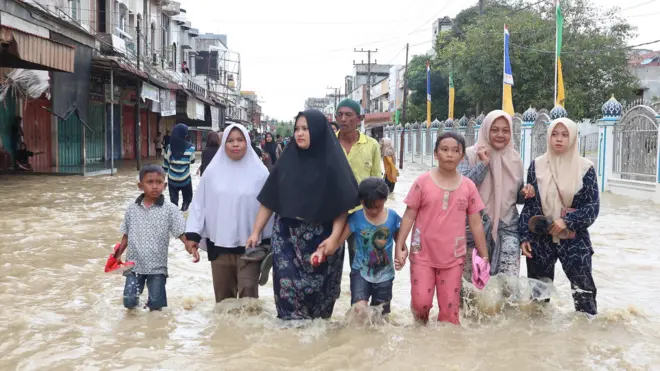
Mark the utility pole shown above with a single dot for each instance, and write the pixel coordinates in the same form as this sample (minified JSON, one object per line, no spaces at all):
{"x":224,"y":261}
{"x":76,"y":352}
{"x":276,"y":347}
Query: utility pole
{"x":336,"y":95}
{"x":481,"y":7}
{"x":368,"y":51}
{"x":403,"y":111}
{"x":138,"y":130}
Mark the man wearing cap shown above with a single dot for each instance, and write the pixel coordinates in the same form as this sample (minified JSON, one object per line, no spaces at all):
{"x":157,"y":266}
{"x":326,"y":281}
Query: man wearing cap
{"x":362,"y":151}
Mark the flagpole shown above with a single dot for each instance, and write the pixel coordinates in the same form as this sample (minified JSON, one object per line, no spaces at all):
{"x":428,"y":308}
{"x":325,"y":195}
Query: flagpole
{"x":556,"y":46}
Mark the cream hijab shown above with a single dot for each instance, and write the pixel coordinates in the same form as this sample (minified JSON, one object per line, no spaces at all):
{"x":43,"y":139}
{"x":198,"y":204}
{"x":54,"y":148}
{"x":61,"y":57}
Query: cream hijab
{"x":560,"y":173}
{"x":499,"y":190}
{"x":225,"y":203}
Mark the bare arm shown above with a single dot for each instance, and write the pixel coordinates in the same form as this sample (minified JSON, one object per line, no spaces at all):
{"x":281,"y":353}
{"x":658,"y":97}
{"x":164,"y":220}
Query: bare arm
{"x":262,"y":218}
{"x":474,"y":220}
{"x":122,"y":246}
{"x":406,"y":225}
{"x":338,"y":227}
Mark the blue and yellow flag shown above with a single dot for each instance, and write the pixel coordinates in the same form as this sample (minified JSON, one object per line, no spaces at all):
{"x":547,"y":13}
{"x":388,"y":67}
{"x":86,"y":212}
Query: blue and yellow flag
{"x":428,"y":95}
{"x":507,"y":99}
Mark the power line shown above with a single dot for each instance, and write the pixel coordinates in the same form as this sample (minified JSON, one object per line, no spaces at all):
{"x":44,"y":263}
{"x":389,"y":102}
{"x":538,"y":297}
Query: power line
{"x":638,"y":5}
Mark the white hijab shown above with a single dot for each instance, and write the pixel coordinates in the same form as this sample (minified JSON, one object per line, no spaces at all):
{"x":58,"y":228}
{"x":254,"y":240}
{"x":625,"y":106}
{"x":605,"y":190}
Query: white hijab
{"x":560,"y":173}
{"x":225,"y":204}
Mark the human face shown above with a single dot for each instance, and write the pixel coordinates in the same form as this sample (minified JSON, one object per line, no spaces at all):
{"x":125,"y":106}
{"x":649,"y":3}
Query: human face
{"x":449,"y":154}
{"x":347,"y":119}
{"x":301,"y":133}
{"x":236,"y":145}
{"x":152,"y":185}
{"x":500,"y":133}
{"x":269,"y":138}
{"x":376,"y":209}
{"x":560,"y":139}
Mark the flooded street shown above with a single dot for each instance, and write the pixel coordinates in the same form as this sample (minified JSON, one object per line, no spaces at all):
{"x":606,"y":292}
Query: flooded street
{"x":59,"y":311}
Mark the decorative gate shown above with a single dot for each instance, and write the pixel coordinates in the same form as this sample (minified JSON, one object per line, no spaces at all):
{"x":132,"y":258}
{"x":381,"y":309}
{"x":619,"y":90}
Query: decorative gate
{"x":540,"y":135}
{"x":515,"y":135}
{"x":636,"y":145}
{"x":469,"y":133}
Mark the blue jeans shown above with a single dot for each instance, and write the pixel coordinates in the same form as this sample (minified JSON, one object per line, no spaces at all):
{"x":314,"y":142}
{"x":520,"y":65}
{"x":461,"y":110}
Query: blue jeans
{"x":380,"y":293}
{"x":135,"y":285}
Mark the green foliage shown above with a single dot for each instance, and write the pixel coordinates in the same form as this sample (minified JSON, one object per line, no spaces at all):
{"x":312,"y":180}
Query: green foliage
{"x":594,"y":60}
{"x":284,"y":129}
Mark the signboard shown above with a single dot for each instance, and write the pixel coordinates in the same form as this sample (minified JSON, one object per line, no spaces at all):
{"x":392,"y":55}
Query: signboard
{"x":215,"y":118}
{"x":199,"y":110}
{"x":149,"y":92}
{"x":167,"y":103}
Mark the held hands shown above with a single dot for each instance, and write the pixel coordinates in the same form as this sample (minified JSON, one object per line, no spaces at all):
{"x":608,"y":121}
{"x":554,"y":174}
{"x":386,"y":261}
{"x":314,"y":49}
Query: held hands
{"x":528,"y":191}
{"x":192,"y":248}
{"x":482,"y":152}
{"x":400,"y":256}
{"x":526,"y":249}
{"x":317,"y":257}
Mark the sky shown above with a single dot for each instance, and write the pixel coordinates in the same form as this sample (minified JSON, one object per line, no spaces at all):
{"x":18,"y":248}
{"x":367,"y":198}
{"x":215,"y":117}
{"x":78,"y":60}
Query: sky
{"x":291,"y":50}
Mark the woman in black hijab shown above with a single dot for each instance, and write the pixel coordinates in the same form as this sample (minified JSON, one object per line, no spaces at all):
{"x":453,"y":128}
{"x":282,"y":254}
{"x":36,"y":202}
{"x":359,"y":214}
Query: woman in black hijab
{"x":270,"y":146}
{"x":311,"y":190}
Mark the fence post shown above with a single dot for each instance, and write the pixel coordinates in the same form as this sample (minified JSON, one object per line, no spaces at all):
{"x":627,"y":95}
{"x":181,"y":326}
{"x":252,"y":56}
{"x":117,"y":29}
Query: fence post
{"x":612,"y":111}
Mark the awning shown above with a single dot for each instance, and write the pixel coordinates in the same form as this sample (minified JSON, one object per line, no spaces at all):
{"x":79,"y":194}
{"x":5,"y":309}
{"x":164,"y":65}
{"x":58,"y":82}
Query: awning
{"x":24,"y":50}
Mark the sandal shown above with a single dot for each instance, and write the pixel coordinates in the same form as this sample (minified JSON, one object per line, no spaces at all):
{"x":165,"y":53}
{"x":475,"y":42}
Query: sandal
{"x":266,"y":265}
{"x":256,"y":254}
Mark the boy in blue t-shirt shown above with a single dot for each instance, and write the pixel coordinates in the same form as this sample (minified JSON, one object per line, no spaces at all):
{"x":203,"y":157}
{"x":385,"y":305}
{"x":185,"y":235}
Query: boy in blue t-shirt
{"x":375,"y":228}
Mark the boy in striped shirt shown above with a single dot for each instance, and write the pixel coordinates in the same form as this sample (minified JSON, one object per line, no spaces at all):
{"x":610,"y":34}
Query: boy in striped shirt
{"x":179,"y":155}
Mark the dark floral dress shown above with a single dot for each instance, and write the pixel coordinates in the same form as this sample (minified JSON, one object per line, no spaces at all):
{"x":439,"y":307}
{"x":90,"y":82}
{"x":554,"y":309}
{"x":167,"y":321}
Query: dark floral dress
{"x":303,"y":291}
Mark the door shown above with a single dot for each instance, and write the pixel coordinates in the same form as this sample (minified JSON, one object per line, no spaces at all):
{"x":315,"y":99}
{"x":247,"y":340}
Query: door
{"x":144,"y":134}
{"x":115,"y":130}
{"x":7,"y":119}
{"x":128,"y":133}
{"x":95,"y":141}
{"x":69,"y":141}
{"x":37,"y":133}
{"x":153,"y":127}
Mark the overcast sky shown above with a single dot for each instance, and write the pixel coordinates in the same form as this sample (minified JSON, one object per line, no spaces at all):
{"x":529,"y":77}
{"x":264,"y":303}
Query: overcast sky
{"x":291,"y":50}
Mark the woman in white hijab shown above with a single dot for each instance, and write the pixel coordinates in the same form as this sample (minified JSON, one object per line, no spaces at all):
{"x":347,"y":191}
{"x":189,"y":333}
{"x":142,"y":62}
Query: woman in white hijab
{"x":496,"y":169}
{"x":567,"y":193}
{"x":223,"y":211}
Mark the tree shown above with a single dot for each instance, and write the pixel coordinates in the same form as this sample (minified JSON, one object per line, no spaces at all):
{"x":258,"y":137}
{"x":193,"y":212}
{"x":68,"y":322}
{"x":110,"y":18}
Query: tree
{"x":284,"y":129}
{"x":594,"y":58}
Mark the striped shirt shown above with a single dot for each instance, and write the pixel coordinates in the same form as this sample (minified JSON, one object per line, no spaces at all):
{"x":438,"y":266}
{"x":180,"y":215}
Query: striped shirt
{"x":178,"y":170}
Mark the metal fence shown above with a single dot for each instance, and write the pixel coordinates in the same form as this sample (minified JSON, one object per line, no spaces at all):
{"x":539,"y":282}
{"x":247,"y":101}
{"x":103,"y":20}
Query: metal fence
{"x":636,"y":145}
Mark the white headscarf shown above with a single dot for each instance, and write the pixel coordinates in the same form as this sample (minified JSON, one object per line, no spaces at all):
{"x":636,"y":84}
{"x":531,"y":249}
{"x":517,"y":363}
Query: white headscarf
{"x":225,"y":204}
{"x":560,"y":172}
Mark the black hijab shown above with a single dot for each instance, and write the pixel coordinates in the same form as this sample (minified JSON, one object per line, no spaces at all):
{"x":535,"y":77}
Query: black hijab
{"x":178,"y":142}
{"x":314,"y":184}
{"x":271,"y":147}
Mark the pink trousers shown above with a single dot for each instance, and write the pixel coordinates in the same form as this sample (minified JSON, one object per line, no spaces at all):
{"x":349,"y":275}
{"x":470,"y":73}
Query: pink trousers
{"x":446,"y":282}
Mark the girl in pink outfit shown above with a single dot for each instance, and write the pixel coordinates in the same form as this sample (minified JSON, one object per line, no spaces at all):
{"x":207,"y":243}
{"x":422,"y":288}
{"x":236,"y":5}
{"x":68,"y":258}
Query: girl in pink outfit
{"x":438,"y":204}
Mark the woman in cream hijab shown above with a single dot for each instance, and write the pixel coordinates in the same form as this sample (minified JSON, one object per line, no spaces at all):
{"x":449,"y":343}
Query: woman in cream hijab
{"x":566,"y":191}
{"x":496,"y":169}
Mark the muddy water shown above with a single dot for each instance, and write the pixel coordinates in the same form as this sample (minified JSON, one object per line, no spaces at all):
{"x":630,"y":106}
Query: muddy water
{"x":59,"y":311}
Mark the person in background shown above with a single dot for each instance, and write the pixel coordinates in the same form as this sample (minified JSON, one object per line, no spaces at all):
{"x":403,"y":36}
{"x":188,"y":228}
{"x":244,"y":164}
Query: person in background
{"x":158,"y":142}
{"x":566,"y":192}
{"x":184,"y":68}
{"x":438,"y":203}
{"x":179,"y":155}
{"x":146,"y":229}
{"x":362,"y":151}
{"x":270,"y":147}
{"x":280,"y":145}
{"x":265,"y":158}
{"x":310,"y":191}
{"x":334,"y":126}
{"x":166,"y":139}
{"x":23,"y":158}
{"x":5,"y":157}
{"x":212,"y":145}
{"x":222,"y":214}
{"x":389,"y":161}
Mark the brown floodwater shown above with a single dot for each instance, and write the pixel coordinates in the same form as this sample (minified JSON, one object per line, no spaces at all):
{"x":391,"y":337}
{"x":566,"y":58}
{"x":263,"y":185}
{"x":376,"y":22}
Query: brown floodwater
{"x":59,"y":311}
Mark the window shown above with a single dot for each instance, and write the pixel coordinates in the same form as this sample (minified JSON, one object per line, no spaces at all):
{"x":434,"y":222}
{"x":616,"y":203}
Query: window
{"x":74,"y":10}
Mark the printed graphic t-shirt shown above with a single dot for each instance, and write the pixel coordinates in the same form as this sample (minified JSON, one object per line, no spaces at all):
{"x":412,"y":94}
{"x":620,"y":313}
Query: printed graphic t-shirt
{"x":438,"y":236}
{"x":374,"y":246}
